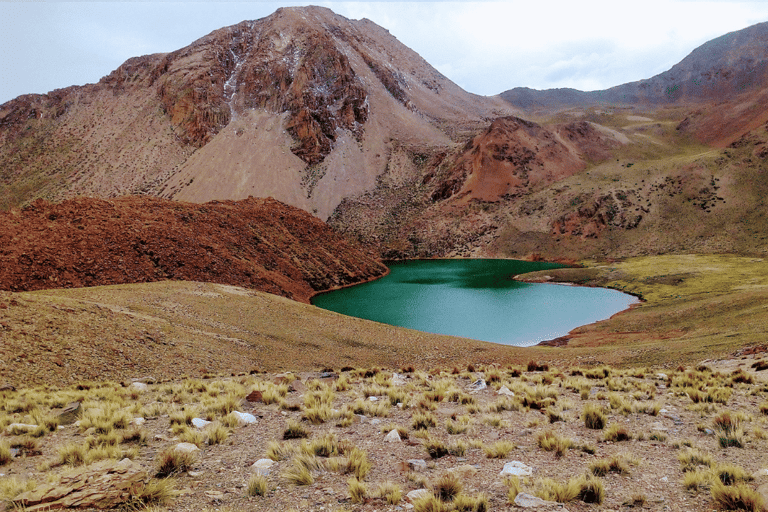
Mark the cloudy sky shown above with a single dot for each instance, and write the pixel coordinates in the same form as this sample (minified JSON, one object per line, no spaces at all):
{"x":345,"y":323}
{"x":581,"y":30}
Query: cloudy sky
{"x":485,"y":47}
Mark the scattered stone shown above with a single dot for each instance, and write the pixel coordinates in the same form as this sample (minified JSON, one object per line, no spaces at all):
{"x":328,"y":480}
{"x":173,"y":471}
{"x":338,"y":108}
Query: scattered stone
{"x":186,"y":448}
{"x":516,"y":468}
{"x":195,"y":474}
{"x":465,"y":470}
{"x":70,"y":413}
{"x":200,"y":423}
{"x":478,"y":385}
{"x":255,"y":396}
{"x":244,"y":418}
{"x":393,"y":437}
{"x":262,"y":466}
{"x":329,"y":375}
{"x":417,"y":465}
{"x":525,"y":500}
{"x":671,"y":416}
{"x":661,"y":376}
{"x":215,"y":495}
{"x":104,"y":485}
{"x":19,"y":427}
{"x":416,"y":494}
{"x":665,"y":479}
{"x":505,"y":391}
{"x":397,"y":379}
{"x":138,"y":421}
{"x":297,"y":387}
{"x":138,"y":386}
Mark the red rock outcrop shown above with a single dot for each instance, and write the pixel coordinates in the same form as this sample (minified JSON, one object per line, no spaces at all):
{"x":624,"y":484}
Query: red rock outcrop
{"x":255,"y":243}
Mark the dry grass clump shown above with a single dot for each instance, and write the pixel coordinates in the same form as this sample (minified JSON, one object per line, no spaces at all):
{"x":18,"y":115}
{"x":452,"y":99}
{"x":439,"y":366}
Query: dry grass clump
{"x":155,"y":492}
{"x":730,"y":474}
{"x":552,"y":442}
{"x":697,"y":479}
{"x":499,"y":449}
{"x":358,"y":491}
{"x":257,"y":485}
{"x":617,"y":433}
{"x":10,"y":487}
{"x":5,"y":452}
{"x":728,"y":430}
{"x":423,"y":421}
{"x":390,"y":492}
{"x":295,"y":430}
{"x":585,"y":488}
{"x":447,"y":487}
{"x":435,"y":447}
{"x":171,"y":462}
{"x":594,"y":417}
{"x":615,"y":464}
{"x":737,"y":497}
{"x":691,"y":458}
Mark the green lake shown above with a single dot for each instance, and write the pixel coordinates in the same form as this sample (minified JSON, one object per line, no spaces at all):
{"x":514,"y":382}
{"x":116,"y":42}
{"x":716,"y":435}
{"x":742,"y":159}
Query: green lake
{"x":475,"y":298}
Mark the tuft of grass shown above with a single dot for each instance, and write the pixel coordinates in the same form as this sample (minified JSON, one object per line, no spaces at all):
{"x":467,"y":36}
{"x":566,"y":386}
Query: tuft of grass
{"x":552,"y":442}
{"x":464,"y":503}
{"x":423,"y":421}
{"x":613,"y":465}
{"x":499,"y":449}
{"x":155,"y":492}
{"x":429,"y":503}
{"x":594,"y":417}
{"x":730,"y":474}
{"x":357,"y":463}
{"x":737,"y":497}
{"x":295,"y":430}
{"x":358,"y":491}
{"x":280,"y":451}
{"x":72,"y":454}
{"x":697,"y":479}
{"x":691,"y":458}
{"x":298,"y":474}
{"x":216,"y":433}
{"x":5,"y":453}
{"x":257,"y":485}
{"x":171,"y":462}
{"x":617,"y":433}
{"x":390,"y":492}
{"x":435,"y":447}
{"x":447,"y":487}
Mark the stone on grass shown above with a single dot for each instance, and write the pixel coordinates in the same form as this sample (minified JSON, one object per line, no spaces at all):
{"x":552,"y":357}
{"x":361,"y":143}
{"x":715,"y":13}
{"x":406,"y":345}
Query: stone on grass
{"x":138,"y":386}
{"x":505,"y":391}
{"x":393,"y":436}
{"x":478,"y":385}
{"x":105,"y":484}
{"x":69,"y":414}
{"x":262,"y":466}
{"x":244,"y":418}
{"x":255,"y":397}
{"x":13,"y":428}
{"x":516,"y":468}
{"x":200,"y":423}
{"x":186,"y":448}
{"x":417,"y":464}
{"x":416,"y":494}
{"x":525,"y":500}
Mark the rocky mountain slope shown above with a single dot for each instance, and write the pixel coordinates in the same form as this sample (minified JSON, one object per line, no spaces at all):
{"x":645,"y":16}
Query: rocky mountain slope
{"x":305,"y":106}
{"x":717,"y":70}
{"x":257,"y":243}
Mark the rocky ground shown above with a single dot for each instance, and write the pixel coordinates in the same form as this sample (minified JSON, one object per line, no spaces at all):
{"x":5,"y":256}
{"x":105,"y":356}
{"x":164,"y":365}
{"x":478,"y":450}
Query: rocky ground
{"x":662,"y":441}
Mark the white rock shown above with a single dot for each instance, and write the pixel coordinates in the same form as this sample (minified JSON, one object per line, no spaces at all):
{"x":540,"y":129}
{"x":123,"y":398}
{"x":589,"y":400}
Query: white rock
{"x":195,"y":474}
{"x":478,"y":385}
{"x":416,"y":494}
{"x":200,"y":423}
{"x":16,"y":427}
{"x":762,"y":473}
{"x":505,"y":391}
{"x":262,"y":466}
{"x":138,"y":421}
{"x":516,"y":468}
{"x":186,"y":448}
{"x":138,"y":386}
{"x":373,"y":399}
{"x":661,"y":376}
{"x":525,"y":500}
{"x":245,"y":418}
{"x":397,"y":379}
{"x":393,"y":436}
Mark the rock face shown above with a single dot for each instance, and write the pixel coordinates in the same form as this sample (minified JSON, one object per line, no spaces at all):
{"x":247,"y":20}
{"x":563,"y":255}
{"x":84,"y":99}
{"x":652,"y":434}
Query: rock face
{"x":256,"y":243}
{"x":305,"y":106}
{"x":103,"y":485}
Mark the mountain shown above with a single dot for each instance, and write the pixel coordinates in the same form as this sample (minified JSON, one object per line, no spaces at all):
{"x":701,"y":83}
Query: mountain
{"x":305,"y":106}
{"x":338,"y":118}
{"x":717,"y":70}
{"x":254,"y":243}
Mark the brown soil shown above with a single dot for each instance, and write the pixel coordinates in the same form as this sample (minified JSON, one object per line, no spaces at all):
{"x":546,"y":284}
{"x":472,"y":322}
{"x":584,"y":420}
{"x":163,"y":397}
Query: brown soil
{"x":255,"y":243}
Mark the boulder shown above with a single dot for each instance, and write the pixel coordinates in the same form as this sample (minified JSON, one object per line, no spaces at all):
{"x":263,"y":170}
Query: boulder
{"x":524,"y":500}
{"x":262,"y":466}
{"x":200,"y":423}
{"x":186,"y":448}
{"x":478,"y":385}
{"x":104,"y":485}
{"x":244,"y":418}
{"x":417,"y":464}
{"x":138,"y":386}
{"x":416,"y":494}
{"x":392,"y":437}
{"x":19,"y":428}
{"x":516,"y":468}
{"x":255,"y":396}
{"x":70,"y":413}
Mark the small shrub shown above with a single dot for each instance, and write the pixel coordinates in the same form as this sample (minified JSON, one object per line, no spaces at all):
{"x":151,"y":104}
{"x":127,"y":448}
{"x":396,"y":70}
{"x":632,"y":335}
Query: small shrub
{"x":423,"y":421}
{"x":5,"y":453}
{"x":464,"y":503}
{"x":498,"y":450}
{"x":390,"y":492}
{"x":72,"y":454}
{"x":697,"y":479}
{"x":730,"y":474}
{"x":171,"y":462}
{"x":435,"y":448}
{"x":216,"y":433}
{"x":257,"y":485}
{"x":298,"y":474}
{"x":594,"y":417}
{"x":357,"y":463}
{"x":295,"y":430}
{"x":691,"y":458}
{"x":358,"y":491}
{"x":737,"y":497}
{"x":155,"y":492}
{"x":429,"y":503}
{"x":447,"y":487}
{"x":552,"y":442}
{"x":613,"y":465}
{"x":617,"y":433}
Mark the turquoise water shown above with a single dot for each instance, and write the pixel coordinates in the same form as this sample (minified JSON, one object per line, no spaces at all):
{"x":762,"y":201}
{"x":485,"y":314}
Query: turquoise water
{"x":475,"y":299}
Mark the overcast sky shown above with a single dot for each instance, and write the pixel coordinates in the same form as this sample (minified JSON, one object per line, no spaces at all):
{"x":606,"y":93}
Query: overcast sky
{"x":485,"y":47}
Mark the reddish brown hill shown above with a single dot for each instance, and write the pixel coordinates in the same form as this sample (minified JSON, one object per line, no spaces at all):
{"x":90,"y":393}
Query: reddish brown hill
{"x":255,"y":243}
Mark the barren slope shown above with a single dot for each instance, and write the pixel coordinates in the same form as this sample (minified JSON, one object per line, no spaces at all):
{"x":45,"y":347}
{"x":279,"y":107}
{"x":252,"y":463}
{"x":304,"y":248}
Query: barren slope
{"x":255,"y":243}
